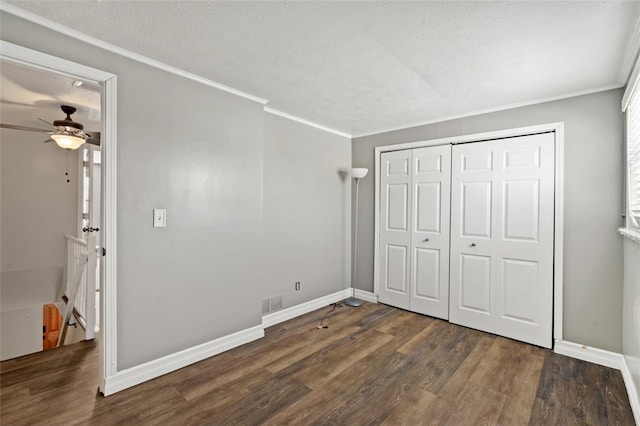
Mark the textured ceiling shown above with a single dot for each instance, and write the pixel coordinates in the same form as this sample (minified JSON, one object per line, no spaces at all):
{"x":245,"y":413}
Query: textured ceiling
{"x":27,"y":94}
{"x":363,"y":67}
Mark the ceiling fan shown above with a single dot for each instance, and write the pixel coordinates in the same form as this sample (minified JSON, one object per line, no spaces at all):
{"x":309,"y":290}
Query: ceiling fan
{"x":69,"y":134}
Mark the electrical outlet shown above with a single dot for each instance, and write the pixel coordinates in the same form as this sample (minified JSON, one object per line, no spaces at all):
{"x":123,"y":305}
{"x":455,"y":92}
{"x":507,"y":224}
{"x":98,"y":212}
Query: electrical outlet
{"x":297,"y":286}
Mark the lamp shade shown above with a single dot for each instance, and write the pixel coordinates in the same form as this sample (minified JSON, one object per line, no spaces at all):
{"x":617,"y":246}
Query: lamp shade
{"x":359,"y":173}
{"x":68,"y":141}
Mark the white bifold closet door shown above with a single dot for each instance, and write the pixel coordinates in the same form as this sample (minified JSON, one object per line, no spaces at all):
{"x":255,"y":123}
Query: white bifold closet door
{"x":414,"y":231}
{"x":502,"y":212}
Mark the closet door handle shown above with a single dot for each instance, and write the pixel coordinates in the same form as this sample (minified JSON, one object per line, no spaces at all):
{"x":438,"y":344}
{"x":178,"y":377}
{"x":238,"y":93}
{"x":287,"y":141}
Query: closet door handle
{"x":473,"y":244}
{"x":425,"y":240}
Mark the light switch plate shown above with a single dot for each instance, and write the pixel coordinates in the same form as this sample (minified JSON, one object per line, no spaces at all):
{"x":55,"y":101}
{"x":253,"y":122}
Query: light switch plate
{"x":159,"y":218}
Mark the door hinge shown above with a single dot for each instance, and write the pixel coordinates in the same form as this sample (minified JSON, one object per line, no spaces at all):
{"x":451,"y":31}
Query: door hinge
{"x":104,"y":251}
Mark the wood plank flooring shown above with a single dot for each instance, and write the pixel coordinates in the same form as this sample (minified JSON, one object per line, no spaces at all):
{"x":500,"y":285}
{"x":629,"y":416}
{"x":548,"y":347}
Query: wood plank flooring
{"x":373,"y":365}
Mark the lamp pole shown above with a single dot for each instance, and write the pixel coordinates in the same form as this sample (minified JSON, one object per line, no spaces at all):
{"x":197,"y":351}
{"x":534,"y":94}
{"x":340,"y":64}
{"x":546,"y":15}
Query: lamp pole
{"x":353,"y":301}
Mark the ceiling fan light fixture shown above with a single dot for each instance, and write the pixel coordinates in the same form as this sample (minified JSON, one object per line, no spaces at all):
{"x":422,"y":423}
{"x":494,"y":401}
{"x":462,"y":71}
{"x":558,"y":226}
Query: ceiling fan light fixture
{"x":67,"y":141}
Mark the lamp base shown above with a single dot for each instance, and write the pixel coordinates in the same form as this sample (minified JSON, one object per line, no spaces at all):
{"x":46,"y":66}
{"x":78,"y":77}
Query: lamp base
{"x":354,"y":302}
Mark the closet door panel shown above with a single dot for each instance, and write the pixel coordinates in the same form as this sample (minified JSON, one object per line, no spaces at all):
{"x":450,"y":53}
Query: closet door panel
{"x":430,"y":231}
{"x":524,"y":286}
{"x":395,"y":228}
{"x":476,"y":209}
{"x":472,"y":229}
{"x":502,"y":237}
{"x":474,"y":292}
{"x":427,"y":273}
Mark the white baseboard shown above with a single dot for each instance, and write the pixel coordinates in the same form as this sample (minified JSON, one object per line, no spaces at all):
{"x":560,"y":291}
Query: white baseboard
{"x":589,"y":354}
{"x":632,"y":391}
{"x":367,"y":296}
{"x":607,"y":359}
{"x":156,"y":368}
{"x":304,"y":308}
{"x":152,"y":369}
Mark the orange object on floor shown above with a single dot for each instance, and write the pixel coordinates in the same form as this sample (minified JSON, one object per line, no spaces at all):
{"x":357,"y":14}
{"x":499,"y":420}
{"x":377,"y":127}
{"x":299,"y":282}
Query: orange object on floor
{"x":51,"y":325}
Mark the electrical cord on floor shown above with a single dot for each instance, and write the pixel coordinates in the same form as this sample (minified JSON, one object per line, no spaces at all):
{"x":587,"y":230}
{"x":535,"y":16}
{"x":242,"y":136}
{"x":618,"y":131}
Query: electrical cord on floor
{"x":335,"y":305}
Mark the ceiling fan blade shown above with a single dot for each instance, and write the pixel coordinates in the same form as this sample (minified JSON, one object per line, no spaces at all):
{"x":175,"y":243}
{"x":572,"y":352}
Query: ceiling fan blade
{"x":45,"y":121}
{"x":48,"y":140}
{"x":94,"y":138}
{"x":28,"y":129}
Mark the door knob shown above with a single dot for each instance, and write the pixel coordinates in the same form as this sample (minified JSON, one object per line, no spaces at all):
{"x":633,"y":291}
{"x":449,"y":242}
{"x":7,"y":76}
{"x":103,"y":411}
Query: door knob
{"x":473,"y":244}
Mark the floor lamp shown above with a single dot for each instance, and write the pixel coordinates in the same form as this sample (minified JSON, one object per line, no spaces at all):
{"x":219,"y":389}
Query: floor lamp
{"x":357,"y":174}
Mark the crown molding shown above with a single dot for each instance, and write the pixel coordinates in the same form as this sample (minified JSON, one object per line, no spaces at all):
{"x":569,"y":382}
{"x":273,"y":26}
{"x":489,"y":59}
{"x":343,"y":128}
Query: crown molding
{"x":630,"y":56}
{"x":490,"y":110}
{"x":307,"y":122}
{"x":39,"y":20}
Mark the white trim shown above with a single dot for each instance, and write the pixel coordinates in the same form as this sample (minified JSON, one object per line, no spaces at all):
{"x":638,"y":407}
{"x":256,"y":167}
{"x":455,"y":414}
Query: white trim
{"x":490,"y":110}
{"x":474,"y":137}
{"x":156,"y":368}
{"x":632,"y":391}
{"x":304,"y":308}
{"x":152,"y":369}
{"x":630,"y":233}
{"x":632,"y":84}
{"x":108,"y":217}
{"x":558,"y":235}
{"x":558,"y":128}
{"x":367,"y":296}
{"x":32,"y":58}
{"x":70,"y":32}
{"x":304,"y":121}
{"x":588,"y":353}
{"x":376,"y":219}
{"x":630,"y":56}
{"x":607,"y":359}
{"x":274,"y":318}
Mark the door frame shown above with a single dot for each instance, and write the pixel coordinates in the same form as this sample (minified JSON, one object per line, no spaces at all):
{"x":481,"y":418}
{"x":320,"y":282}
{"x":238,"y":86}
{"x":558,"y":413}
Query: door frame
{"x":32,"y":58}
{"x":558,"y":243}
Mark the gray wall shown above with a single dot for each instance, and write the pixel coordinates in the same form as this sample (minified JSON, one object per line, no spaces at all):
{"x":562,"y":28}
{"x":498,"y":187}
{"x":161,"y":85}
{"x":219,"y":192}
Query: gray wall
{"x":38,"y":208}
{"x":197,"y":152}
{"x":38,"y":205}
{"x":593,"y":280}
{"x":631,"y":310}
{"x":306,"y":211}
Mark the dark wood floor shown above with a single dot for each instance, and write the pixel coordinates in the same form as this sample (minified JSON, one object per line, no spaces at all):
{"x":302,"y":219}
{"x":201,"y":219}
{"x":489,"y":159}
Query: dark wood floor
{"x":374,"y":364}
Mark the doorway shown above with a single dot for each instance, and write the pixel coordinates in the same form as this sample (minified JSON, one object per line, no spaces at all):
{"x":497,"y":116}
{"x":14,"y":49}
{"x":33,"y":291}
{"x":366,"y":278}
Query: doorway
{"x":19,"y":55}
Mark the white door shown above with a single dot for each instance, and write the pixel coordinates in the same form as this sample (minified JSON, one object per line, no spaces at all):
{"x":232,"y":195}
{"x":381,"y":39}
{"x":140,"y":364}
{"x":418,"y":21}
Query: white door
{"x":90,"y":226}
{"x":90,"y":191}
{"x":430,"y":231}
{"x":502,"y":204}
{"x":414,"y":231}
{"x":395,"y":228}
